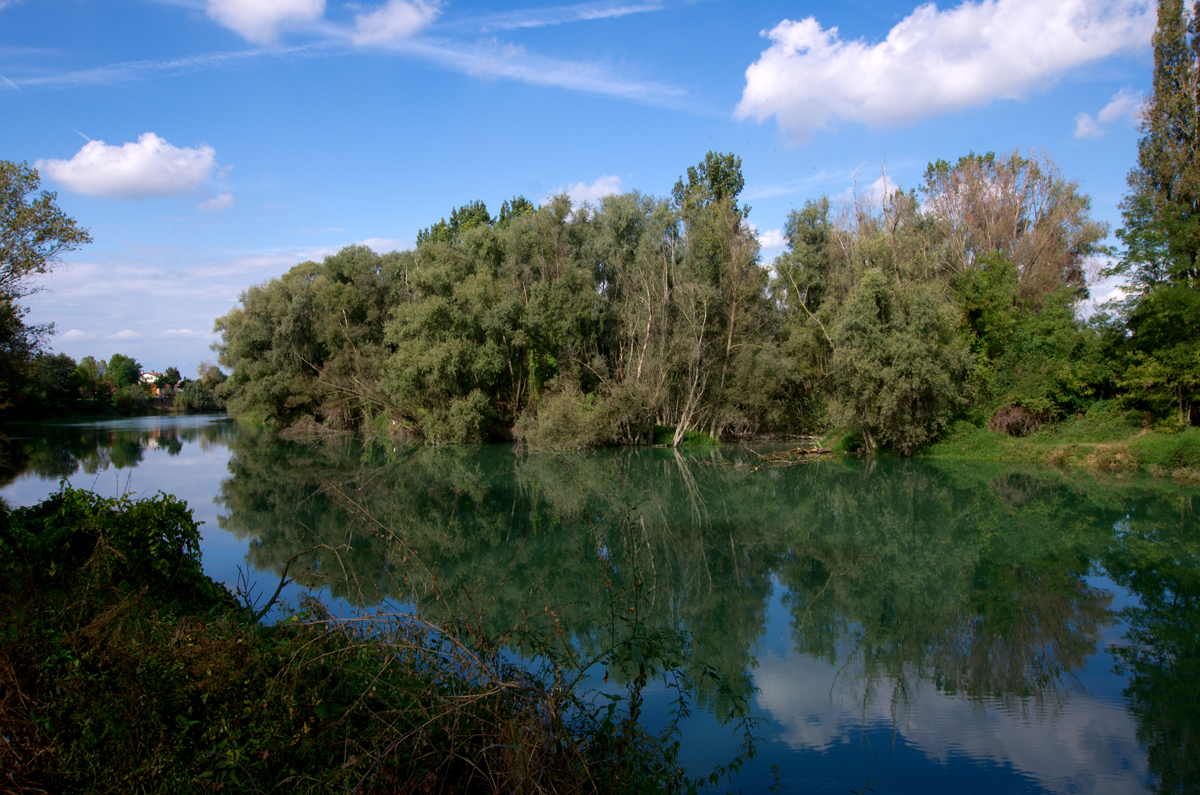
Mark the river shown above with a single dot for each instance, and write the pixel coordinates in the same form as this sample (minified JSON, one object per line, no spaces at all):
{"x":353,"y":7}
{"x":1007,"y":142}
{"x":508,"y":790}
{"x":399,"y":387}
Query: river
{"x":902,"y":626}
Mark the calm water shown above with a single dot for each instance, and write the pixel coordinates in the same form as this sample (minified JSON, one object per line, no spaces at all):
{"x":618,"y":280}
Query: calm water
{"x":903,"y":625}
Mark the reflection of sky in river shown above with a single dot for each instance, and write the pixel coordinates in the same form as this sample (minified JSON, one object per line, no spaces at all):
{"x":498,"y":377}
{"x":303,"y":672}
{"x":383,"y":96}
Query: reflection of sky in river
{"x":822,"y":731}
{"x":1075,"y":743}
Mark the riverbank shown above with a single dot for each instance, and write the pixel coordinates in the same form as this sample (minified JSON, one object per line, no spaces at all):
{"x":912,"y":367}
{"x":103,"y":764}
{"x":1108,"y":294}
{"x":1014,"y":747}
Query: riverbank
{"x":124,"y":667}
{"x":1102,"y":440}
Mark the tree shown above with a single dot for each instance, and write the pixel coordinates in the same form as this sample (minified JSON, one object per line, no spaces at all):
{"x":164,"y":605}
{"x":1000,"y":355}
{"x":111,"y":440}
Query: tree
{"x":899,"y":366}
{"x":1162,"y":209}
{"x":1020,"y":208}
{"x":469,"y":216}
{"x":19,"y":345}
{"x":123,"y":370}
{"x":170,"y":377}
{"x":34,"y":232}
{"x":1161,"y":259}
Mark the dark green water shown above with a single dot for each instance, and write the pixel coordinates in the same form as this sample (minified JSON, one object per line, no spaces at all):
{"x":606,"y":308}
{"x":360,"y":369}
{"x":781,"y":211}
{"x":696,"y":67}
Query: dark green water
{"x":912,"y":626}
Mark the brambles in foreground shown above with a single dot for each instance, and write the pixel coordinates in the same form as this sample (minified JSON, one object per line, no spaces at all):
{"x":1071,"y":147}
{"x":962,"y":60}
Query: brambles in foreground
{"x":124,"y":668}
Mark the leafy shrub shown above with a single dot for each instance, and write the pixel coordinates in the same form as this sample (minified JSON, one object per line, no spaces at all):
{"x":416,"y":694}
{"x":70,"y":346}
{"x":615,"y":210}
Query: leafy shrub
{"x":194,"y":397}
{"x":468,"y":420}
{"x":131,"y":545}
{"x":567,"y":419}
{"x":130,"y":399}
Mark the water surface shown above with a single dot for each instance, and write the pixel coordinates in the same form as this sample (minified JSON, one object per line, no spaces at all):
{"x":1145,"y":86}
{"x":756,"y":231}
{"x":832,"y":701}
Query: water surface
{"x":907,"y":626}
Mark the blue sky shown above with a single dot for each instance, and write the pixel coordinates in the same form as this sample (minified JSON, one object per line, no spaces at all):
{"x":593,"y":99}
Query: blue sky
{"x":212,"y":144}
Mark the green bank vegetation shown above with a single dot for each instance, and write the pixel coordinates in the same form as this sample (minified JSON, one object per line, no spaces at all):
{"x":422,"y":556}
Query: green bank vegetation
{"x":123,"y":668}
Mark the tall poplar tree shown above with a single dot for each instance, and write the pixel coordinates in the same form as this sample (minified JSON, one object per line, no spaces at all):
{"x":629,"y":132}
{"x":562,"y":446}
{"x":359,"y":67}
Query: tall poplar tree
{"x":1162,"y":210}
{"x":1161,"y":259}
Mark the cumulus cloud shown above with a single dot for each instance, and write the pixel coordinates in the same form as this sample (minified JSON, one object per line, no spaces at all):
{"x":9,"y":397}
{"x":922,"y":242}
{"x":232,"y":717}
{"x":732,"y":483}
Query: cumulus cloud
{"x":772,"y":239}
{"x":591,"y":193}
{"x":222,"y":201}
{"x":933,"y":61}
{"x":1125,"y":104}
{"x":75,"y":335}
{"x":150,"y":167}
{"x":126,"y":335}
{"x":392,"y":23}
{"x":261,"y":21}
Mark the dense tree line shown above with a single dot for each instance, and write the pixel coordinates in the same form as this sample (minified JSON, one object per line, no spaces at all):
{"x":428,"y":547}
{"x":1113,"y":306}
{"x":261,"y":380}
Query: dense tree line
{"x":586,"y":326}
{"x":890,"y":314}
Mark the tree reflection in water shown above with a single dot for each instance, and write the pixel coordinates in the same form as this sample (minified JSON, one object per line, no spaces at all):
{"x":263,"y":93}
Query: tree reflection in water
{"x":975,"y":580}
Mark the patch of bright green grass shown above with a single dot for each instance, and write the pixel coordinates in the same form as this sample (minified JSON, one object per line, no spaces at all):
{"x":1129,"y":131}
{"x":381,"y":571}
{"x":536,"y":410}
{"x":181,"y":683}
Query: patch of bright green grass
{"x":666,"y":435}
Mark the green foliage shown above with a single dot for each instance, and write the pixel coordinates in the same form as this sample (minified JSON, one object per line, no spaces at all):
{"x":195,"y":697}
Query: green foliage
{"x":1161,"y":234}
{"x":123,"y":371}
{"x":568,"y":420}
{"x":116,"y":542}
{"x":1017,"y":209}
{"x":899,"y":365}
{"x":34,"y":232}
{"x":1038,"y":357}
{"x":169,"y":377}
{"x":467,"y":420}
{"x":130,"y":400}
{"x":194,"y":397}
{"x":19,"y":347}
{"x":470,"y":215}
{"x":600,"y":322}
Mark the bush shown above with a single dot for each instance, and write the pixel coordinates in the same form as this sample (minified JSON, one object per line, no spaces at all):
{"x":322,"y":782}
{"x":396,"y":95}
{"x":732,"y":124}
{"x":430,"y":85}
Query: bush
{"x":567,"y":419}
{"x":148,"y":544}
{"x":130,"y":400}
{"x":124,"y":669}
{"x":467,"y":421}
{"x":194,"y":397}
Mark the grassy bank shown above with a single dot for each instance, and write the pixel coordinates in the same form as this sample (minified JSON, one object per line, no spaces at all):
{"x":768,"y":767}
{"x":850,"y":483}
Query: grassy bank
{"x":1103,"y":439}
{"x":123,"y":668}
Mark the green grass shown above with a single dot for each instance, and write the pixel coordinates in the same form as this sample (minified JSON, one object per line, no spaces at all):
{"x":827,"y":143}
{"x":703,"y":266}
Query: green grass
{"x":664,"y":435}
{"x":1105,"y":438}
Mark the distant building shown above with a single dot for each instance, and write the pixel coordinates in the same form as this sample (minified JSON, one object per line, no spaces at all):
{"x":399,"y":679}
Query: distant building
{"x":150,"y":383}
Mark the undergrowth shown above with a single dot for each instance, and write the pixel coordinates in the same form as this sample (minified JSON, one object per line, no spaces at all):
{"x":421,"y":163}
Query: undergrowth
{"x":1104,"y":438}
{"x":123,"y":668}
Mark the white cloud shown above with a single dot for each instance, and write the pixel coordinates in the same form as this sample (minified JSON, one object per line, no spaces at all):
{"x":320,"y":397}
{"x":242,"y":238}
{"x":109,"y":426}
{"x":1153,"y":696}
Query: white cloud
{"x":384,"y":245}
{"x":543,"y":17}
{"x":75,"y":335}
{"x":933,"y":61}
{"x":392,"y":23}
{"x":186,"y":332}
{"x":150,"y":167}
{"x":1086,"y":127}
{"x":222,"y":201}
{"x":7,"y":3}
{"x":125,"y":335}
{"x":772,"y":239}
{"x":1125,"y":104}
{"x":591,"y":193}
{"x":494,"y":59}
{"x":261,"y":21}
